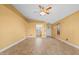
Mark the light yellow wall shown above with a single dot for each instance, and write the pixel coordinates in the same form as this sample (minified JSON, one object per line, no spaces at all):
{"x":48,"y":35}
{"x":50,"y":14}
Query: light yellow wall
{"x":69,"y":28}
{"x":12,"y":27}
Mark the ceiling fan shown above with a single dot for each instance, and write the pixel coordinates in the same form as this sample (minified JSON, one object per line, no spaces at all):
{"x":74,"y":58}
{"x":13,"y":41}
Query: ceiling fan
{"x":45,"y":10}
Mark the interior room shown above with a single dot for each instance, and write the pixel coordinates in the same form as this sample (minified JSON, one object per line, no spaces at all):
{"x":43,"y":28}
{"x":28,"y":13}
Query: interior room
{"x":39,"y":29}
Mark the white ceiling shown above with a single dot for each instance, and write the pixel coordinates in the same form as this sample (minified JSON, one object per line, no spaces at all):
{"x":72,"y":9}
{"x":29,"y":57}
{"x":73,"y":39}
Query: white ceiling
{"x":58,"y":11}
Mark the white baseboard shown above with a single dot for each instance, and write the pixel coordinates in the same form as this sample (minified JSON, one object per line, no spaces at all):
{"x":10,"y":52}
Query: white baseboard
{"x":30,"y":37}
{"x":68,"y":43}
{"x":13,"y":44}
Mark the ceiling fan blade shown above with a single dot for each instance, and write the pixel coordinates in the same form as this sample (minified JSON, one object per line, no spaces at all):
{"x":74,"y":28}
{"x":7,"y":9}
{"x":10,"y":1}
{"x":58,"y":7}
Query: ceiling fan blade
{"x":41,"y":7}
{"x":48,"y":8}
{"x":47,"y":13}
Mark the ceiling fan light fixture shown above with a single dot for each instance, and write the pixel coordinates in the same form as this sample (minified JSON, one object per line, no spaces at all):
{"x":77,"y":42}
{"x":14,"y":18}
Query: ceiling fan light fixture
{"x":42,"y":13}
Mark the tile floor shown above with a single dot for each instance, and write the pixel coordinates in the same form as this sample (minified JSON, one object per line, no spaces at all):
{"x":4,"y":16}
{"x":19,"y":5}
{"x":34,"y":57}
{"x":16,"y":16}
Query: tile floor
{"x":41,"y":46}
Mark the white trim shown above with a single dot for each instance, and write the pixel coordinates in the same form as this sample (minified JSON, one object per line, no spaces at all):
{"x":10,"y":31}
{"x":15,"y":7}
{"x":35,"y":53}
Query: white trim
{"x":13,"y":44}
{"x":30,"y":36}
{"x":73,"y":45}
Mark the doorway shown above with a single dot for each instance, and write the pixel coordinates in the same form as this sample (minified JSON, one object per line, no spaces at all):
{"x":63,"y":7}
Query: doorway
{"x":48,"y":30}
{"x":58,"y":29}
{"x":38,"y":30}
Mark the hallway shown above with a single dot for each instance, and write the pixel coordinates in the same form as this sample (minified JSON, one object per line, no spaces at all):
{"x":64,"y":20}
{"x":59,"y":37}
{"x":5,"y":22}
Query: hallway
{"x":41,"y":46}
